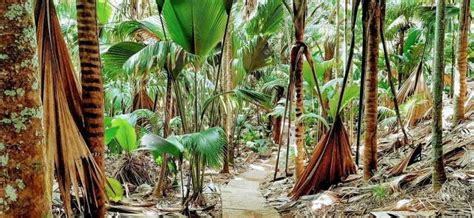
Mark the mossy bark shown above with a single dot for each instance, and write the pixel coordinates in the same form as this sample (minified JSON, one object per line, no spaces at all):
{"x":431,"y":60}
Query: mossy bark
{"x":370,"y":137}
{"x":23,"y":170}
{"x":439,"y":175}
{"x":460,"y":77}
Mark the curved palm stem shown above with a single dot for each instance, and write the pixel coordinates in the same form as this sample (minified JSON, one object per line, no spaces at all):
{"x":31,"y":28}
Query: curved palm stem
{"x":392,"y":87}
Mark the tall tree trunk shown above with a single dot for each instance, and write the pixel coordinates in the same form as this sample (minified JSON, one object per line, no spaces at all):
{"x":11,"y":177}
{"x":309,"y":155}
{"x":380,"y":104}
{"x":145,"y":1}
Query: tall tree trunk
{"x":299,"y":7}
{"x":439,"y":176}
{"x":22,"y":152}
{"x":370,"y":137}
{"x":92,"y":95}
{"x":460,"y":79}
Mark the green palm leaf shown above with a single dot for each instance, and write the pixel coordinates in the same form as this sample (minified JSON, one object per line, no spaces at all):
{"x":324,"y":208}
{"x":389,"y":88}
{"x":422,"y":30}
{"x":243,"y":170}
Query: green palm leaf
{"x":158,"y":145}
{"x":209,"y":144}
{"x":196,"y":25}
{"x":267,"y":20}
{"x":115,"y":57}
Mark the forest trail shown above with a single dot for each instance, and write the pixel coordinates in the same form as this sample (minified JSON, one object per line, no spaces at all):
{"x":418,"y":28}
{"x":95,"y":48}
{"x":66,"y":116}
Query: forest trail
{"x":241,"y":197}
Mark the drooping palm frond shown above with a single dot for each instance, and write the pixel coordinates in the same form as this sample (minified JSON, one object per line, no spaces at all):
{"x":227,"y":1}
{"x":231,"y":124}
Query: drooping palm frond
{"x":149,"y":27}
{"x":75,"y":168}
{"x":117,"y":55}
{"x":254,"y":54}
{"x":427,"y":14}
{"x":417,"y":88}
{"x":209,"y":144}
{"x":196,"y":25}
{"x":313,"y":116}
{"x":242,"y":94}
{"x":158,"y":145}
{"x":267,"y":19}
{"x":255,"y":97}
{"x":269,"y":86}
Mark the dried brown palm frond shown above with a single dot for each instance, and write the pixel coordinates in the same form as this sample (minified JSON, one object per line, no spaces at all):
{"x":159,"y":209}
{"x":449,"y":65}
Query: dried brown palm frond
{"x":415,"y":85}
{"x":75,"y":169}
{"x":406,"y":161}
{"x":141,"y":100}
{"x":330,"y":163}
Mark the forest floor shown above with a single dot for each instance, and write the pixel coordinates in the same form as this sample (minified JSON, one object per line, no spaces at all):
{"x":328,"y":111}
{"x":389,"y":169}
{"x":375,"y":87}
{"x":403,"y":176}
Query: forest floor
{"x":401,"y":186}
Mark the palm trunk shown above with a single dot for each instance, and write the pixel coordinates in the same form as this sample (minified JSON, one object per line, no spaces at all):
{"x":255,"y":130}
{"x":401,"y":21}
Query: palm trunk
{"x":22,"y":152}
{"x":160,"y":185}
{"x":370,"y":137}
{"x":460,"y":80}
{"x":299,"y":7}
{"x":329,"y":49}
{"x":400,"y":52}
{"x":439,"y":176}
{"x":92,"y":94}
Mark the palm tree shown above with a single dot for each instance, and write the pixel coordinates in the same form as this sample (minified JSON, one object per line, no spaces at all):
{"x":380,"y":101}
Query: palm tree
{"x":92,"y":95}
{"x":370,"y":137}
{"x":299,"y":8}
{"x":460,"y":93}
{"x":24,"y":176}
{"x":439,"y":175}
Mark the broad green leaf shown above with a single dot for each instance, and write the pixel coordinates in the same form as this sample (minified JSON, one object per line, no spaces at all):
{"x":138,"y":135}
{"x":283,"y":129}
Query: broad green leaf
{"x":104,"y":11}
{"x":158,"y":145}
{"x":351,"y":92}
{"x":114,"y":190}
{"x":319,"y":68}
{"x":125,"y":136}
{"x":196,"y":25}
{"x":110,"y":134}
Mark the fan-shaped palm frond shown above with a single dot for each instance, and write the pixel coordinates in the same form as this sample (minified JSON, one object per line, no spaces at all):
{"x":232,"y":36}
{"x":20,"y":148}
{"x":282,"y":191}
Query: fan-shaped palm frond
{"x":267,"y":19}
{"x":150,"y":26}
{"x":209,"y":144}
{"x":254,"y":55}
{"x":196,"y":25}
{"x":116,"y":56}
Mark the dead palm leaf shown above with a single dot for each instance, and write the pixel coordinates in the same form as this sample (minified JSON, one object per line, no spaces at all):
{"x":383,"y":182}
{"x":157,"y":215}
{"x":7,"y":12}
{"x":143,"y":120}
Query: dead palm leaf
{"x":330,"y":163}
{"x":406,"y":161}
{"x":74,"y":165}
{"x":415,"y":85}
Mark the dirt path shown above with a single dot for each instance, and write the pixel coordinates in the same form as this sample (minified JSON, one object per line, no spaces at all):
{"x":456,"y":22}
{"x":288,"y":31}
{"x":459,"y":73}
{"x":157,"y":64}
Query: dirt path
{"x":241,"y":197}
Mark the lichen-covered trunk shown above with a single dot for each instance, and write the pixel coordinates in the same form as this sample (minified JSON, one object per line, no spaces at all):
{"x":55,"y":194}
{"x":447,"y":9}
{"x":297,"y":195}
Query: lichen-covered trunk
{"x":439,"y":176}
{"x":92,"y":94}
{"x":23,"y":183}
{"x":370,"y":136}
{"x":460,"y":77}
{"x":297,"y":62}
